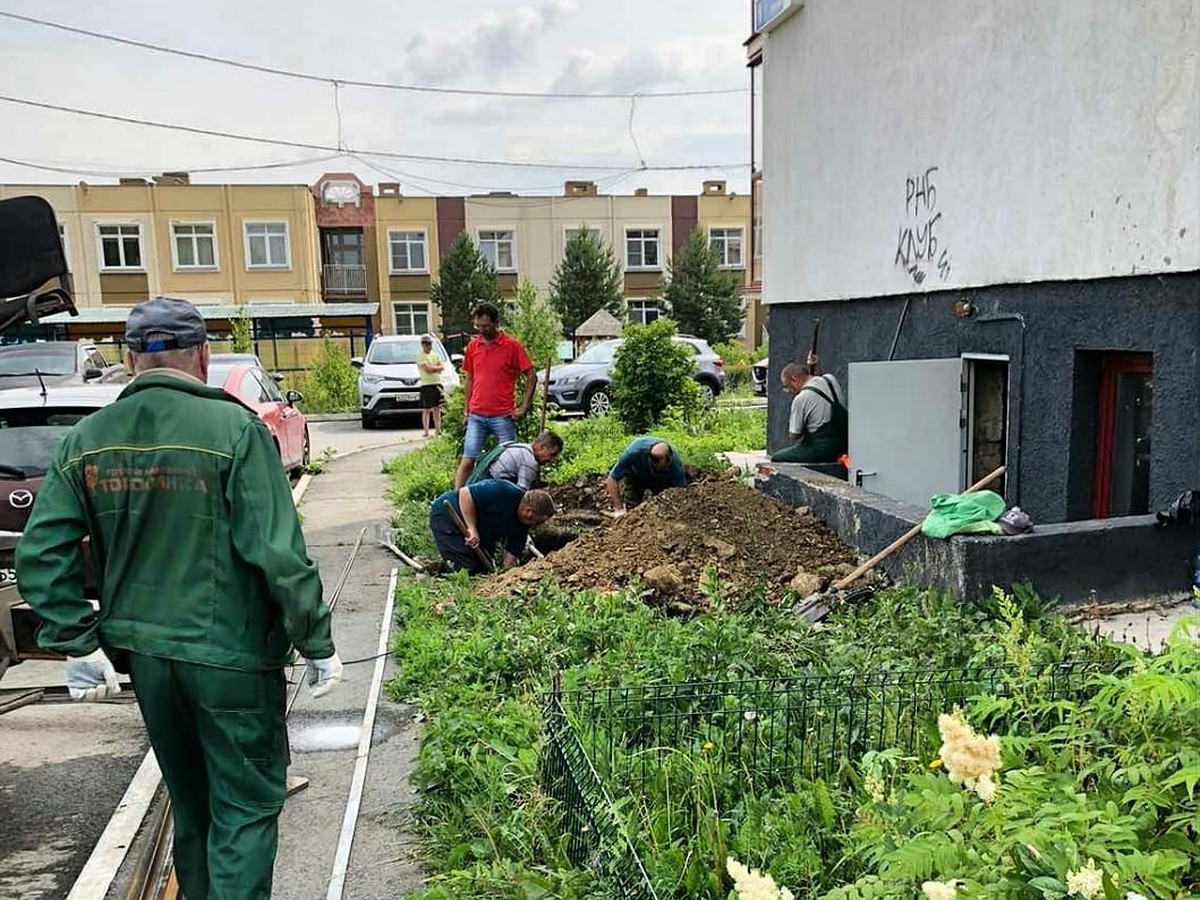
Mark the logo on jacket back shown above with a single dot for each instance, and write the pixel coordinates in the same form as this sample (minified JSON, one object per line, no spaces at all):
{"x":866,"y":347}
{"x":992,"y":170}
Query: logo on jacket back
{"x":20,"y":499}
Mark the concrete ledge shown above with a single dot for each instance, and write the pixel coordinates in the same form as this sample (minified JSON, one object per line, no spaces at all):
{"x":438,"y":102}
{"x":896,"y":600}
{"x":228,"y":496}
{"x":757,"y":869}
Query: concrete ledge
{"x":1110,"y":561}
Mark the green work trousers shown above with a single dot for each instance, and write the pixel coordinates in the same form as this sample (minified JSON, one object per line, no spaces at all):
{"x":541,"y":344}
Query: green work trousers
{"x":221,"y":743}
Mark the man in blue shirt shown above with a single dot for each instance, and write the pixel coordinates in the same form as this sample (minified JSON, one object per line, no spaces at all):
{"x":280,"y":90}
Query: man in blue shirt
{"x":495,"y":512}
{"x":647,"y":464}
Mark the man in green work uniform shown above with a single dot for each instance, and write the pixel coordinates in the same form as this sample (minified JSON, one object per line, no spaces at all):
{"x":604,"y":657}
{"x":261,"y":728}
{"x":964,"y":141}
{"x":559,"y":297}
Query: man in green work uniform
{"x":818,"y":422}
{"x":205,"y":584}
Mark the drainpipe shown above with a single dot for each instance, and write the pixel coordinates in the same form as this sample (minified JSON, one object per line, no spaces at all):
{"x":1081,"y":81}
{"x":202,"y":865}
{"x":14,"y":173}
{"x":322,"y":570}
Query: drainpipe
{"x":1019,"y":318}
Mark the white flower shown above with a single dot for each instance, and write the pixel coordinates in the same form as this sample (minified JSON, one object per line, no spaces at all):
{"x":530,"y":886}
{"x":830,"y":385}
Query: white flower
{"x":986,"y":789}
{"x":873,"y":785}
{"x":1134,"y":895}
{"x":966,"y":755}
{"x":939,"y":890}
{"x":1086,"y":882}
{"x":750,"y":884}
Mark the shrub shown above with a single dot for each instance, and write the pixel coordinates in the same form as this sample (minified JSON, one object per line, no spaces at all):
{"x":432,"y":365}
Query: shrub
{"x":241,"y":332}
{"x":738,"y":362}
{"x":652,"y":373}
{"x":330,"y":384}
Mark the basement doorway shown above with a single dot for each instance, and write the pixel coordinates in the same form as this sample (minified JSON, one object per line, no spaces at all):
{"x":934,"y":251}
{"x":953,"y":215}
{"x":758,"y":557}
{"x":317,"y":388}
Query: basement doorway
{"x":986,"y":418}
{"x":1126,"y":406}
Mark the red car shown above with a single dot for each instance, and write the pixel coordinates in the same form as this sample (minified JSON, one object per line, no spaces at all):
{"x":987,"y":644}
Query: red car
{"x":258,"y":390}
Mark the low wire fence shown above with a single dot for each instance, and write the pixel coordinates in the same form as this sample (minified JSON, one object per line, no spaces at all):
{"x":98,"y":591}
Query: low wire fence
{"x":609,"y":751}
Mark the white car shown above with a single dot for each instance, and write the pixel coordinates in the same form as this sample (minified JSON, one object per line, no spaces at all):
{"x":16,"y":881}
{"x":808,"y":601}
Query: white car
{"x":390,"y":383}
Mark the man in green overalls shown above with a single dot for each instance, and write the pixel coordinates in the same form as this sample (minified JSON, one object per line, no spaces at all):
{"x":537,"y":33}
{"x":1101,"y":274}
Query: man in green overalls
{"x":205,"y":585}
{"x":818,"y":422}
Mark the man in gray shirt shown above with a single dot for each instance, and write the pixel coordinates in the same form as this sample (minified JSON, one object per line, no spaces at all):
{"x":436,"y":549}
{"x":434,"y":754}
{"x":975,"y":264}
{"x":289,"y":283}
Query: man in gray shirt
{"x":519,"y":463}
{"x":818,"y":422}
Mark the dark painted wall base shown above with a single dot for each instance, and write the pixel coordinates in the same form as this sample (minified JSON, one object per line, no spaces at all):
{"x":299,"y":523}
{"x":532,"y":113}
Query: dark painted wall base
{"x":1111,"y":561}
{"x":1052,"y":333}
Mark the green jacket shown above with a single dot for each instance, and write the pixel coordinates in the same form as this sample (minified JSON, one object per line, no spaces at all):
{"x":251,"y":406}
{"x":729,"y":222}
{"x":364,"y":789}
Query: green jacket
{"x":194,"y":537}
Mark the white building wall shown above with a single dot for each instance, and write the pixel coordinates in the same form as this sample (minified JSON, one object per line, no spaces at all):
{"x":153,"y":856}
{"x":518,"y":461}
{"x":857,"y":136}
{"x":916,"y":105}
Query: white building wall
{"x":927,"y":144}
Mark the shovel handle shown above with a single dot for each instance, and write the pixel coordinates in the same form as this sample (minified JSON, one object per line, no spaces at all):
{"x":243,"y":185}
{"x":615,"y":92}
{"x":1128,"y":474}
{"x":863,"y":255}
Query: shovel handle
{"x":843,"y":583}
{"x":462,"y":527}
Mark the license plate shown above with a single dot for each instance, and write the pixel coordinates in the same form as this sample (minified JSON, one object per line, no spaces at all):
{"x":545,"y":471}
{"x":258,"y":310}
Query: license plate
{"x":406,"y":398}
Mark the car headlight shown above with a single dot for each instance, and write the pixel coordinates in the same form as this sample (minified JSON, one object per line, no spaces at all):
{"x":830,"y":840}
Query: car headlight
{"x":568,"y":380}
{"x":372,"y":379}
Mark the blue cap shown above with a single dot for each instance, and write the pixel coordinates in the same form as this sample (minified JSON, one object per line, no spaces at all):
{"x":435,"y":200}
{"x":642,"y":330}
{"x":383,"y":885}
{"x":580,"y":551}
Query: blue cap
{"x":164,"y":323}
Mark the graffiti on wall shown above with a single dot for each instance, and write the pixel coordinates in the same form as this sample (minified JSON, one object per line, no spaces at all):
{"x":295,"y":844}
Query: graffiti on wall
{"x":919,"y":250}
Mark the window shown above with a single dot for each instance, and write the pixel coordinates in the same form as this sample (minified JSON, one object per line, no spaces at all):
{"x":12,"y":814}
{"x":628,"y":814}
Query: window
{"x":270,"y":389}
{"x":572,"y":233}
{"x":408,"y":251}
{"x":194,"y":245}
{"x":251,"y":390}
{"x":497,"y":249}
{"x":411,"y":318}
{"x":641,"y":248}
{"x":120,"y":246}
{"x":267,"y":245}
{"x":643,"y":312}
{"x":728,"y":244}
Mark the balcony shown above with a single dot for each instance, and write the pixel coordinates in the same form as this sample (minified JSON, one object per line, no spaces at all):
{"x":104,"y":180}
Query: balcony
{"x":343,"y":281}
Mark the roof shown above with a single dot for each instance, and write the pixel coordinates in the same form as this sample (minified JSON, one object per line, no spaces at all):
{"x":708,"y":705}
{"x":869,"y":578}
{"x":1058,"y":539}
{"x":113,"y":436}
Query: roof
{"x":113,"y":314}
{"x":601,"y":323}
{"x":76,"y":395}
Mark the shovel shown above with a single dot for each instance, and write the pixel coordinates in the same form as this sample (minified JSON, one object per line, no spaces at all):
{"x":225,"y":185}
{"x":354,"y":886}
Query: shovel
{"x":462,"y":526}
{"x":815,"y":607}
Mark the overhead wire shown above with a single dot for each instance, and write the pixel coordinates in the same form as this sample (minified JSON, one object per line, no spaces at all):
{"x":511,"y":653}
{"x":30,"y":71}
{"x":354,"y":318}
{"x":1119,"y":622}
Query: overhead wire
{"x":352,"y":82}
{"x":94,"y":169}
{"x":387,"y":154}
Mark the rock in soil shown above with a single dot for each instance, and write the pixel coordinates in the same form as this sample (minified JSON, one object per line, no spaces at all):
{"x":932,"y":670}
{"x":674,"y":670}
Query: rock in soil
{"x":746,"y":536}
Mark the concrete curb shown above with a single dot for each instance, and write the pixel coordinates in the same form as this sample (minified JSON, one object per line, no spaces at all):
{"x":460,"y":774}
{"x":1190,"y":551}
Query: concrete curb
{"x":331,"y":417}
{"x":306,"y":479}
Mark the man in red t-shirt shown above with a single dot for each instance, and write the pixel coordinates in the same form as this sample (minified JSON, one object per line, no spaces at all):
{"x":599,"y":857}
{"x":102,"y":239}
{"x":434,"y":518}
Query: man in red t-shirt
{"x":492,"y":362}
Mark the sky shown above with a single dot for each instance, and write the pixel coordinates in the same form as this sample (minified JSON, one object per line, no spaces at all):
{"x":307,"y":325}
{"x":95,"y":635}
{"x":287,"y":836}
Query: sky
{"x":621,"y":47}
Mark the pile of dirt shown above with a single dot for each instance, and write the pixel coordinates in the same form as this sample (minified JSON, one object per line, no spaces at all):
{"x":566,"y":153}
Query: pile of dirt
{"x":668,"y":542}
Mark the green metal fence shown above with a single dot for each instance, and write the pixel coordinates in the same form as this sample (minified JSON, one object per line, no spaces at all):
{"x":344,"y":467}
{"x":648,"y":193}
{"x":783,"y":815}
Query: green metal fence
{"x":606,"y":748}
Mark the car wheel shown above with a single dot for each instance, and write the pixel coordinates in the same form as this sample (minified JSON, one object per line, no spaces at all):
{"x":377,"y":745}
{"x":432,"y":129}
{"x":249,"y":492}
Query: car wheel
{"x":597,"y":401}
{"x":708,"y":393}
{"x":368,"y":421}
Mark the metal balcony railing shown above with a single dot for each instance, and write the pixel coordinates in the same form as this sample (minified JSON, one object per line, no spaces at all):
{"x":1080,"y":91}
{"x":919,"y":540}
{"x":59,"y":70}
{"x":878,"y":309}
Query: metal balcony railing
{"x":339,"y":279}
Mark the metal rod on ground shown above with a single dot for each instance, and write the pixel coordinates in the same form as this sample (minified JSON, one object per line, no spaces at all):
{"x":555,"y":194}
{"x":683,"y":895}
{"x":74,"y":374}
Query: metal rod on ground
{"x":533,"y":549}
{"x":462,"y":527}
{"x":402,"y":556}
{"x":333,"y":600}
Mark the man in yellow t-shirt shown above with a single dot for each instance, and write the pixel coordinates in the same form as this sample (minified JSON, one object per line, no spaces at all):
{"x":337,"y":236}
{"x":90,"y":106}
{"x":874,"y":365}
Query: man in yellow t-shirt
{"x":429,"y":365}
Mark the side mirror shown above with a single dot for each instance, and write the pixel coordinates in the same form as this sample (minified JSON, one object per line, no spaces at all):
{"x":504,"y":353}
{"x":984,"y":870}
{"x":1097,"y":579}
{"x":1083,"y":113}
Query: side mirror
{"x":357,"y":362}
{"x":277,"y":377}
{"x":294,"y":397}
{"x":91,"y":373}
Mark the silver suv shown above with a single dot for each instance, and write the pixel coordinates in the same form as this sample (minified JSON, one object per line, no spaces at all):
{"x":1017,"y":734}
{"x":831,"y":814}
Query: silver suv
{"x":389,"y":382}
{"x":585,"y":384}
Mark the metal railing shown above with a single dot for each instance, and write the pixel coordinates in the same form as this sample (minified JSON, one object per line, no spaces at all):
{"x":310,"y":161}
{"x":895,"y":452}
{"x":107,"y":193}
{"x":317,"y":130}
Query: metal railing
{"x":608,"y":750}
{"x":339,"y":279}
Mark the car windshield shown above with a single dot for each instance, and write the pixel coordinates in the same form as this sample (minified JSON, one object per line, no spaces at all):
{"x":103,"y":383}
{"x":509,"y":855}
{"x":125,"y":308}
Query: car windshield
{"x":598,"y":353}
{"x":218,"y":374}
{"x":390,"y":353}
{"x":30,"y":437}
{"x":26,"y":359}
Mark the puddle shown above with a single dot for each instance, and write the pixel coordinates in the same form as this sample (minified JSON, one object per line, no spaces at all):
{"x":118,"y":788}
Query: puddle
{"x":319,"y":738}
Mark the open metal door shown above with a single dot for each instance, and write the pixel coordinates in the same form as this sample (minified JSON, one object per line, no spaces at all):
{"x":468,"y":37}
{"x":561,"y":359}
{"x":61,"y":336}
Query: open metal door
{"x":908,"y":428}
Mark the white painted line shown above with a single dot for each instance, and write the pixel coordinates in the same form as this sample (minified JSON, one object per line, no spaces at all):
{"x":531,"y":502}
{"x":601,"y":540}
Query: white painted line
{"x":341,"y":860}
{"x":301,"y":487}
{"x":108,"y":854}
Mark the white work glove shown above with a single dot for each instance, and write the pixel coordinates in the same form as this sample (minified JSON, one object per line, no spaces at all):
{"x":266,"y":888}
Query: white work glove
{"x":92,"y":677}
{"x":618,"y":513}
{"x":322,"y":674}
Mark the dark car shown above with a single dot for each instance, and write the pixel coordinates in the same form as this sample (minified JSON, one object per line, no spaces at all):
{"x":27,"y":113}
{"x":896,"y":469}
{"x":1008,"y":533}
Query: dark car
{"x":585,"y":384}
{"x":57,"y":362}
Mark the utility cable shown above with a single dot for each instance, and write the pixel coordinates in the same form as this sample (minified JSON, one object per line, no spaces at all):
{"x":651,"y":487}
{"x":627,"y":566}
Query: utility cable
{"x":94,"y":170}
{"x":389,"y":154}
{"x":350,"y":82}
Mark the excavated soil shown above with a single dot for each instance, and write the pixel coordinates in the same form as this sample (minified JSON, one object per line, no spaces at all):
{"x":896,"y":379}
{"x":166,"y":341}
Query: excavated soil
{"x":669,"y":541}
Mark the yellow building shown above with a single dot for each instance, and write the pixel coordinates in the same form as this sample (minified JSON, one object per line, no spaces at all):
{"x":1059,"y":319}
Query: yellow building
{"x":408,"y":250}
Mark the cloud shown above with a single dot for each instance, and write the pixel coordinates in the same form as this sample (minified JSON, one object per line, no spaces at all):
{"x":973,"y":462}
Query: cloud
{"x":642,"y":68}
{"x":498,"y":42}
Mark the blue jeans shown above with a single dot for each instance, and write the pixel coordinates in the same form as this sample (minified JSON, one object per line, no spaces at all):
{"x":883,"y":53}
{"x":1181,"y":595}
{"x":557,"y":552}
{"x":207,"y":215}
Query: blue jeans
{"x":479,"y":427}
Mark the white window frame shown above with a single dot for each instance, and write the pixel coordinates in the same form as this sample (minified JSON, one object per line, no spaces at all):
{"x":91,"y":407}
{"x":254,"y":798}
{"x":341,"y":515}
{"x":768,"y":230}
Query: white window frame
{"x":569,"y":229}
{"x":499,"y":229}
{"x":657,"y":266}
{"x":741,"y":230}
{"x":287,"y":240}
{"x":424,"y":233}
{"x":412,"y":307}
{"x":176,"y":265}
{"x":140,"y":267}
{"x":644,"y":303}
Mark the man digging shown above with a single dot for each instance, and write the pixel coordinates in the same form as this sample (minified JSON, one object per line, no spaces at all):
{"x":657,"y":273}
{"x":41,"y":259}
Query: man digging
{"x":647,"y":464}
{"x":491,"y":512}
{"x":519,"y":463}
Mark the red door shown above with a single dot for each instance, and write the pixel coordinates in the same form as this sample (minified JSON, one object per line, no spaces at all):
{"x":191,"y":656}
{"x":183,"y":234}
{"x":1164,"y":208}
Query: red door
{"x":1122,"y":485}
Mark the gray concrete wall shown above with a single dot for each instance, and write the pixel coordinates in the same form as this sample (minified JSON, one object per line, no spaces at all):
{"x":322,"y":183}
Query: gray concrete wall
{"x":1052,"y":405}
{"x":1117,"y":561}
